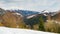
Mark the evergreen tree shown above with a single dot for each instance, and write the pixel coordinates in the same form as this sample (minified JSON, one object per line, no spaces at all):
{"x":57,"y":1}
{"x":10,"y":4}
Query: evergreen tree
{"x":41,"y":23}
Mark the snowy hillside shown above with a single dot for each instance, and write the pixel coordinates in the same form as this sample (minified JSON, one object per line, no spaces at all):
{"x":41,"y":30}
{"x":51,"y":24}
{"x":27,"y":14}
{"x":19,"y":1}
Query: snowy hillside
{"x":5,"y":30}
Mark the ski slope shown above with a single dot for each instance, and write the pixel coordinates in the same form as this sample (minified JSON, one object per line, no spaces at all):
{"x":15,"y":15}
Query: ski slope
{"x":5,"y":30}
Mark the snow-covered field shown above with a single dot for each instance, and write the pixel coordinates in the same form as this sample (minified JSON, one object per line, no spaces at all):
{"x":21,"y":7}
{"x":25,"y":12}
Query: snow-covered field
{"x":5,"y":30}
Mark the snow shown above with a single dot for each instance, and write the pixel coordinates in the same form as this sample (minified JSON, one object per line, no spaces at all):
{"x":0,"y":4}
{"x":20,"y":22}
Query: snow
{"x":45,"y":11}
{"x":45,"y":15}
{"x":17,"y":14}
{"x":30,"y":16}
{"x":5,"y":30}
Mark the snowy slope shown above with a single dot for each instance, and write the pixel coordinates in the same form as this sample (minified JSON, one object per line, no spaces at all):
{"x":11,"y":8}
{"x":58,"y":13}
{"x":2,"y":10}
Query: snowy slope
{"x":5,"y":30}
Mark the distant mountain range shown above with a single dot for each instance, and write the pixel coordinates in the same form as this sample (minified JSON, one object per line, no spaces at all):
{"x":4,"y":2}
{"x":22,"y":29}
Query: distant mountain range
{"x":26,"y":12}
{"x":29,"y":13}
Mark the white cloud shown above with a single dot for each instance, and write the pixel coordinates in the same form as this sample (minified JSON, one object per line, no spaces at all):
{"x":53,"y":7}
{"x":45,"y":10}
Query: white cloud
{"x":29,"y":4}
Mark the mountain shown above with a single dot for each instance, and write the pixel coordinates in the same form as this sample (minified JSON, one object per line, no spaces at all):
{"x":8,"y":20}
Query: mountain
{"x":26,"y":12}
{"x":2,"y":11}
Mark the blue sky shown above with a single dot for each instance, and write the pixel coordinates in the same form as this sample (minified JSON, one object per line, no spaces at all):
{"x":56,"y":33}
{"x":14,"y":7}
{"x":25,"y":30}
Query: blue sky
{"x":34,"y":5}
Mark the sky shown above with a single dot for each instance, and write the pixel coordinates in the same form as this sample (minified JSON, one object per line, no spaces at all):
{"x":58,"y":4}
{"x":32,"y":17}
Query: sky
{"x":34,"y":5}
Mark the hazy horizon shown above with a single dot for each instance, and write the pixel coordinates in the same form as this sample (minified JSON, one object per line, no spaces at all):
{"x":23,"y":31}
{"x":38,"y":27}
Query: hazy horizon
{"x":33,"y":5}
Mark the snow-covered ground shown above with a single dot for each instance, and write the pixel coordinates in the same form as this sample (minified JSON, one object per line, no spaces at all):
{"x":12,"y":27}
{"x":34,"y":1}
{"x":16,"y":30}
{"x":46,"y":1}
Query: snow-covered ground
{"x":5,"y":30}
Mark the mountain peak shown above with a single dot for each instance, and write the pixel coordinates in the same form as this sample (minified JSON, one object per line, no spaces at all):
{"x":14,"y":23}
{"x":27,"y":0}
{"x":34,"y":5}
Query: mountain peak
{"x":2,"y":11}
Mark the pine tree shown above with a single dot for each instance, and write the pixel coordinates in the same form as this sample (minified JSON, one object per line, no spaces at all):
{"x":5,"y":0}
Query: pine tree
{"x":41,"y":23}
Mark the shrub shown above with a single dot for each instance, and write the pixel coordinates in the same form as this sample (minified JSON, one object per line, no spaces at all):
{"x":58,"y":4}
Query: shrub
{"x":51,"y":26}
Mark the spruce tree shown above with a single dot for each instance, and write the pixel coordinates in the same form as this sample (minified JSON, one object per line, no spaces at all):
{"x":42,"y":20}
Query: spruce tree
{"x":41,"y":23}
